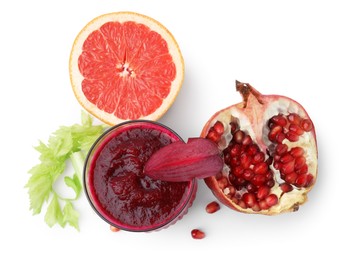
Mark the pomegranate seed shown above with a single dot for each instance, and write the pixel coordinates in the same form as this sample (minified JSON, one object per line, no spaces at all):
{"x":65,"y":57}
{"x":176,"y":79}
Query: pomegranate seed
{"x":237,"y":171}
{"x":294,"y":118}
{"x":247,"y":140}
{"x":277,"y":165}
{"x":301,"y":180}
{"x":280,"y":137}
{"x":309,"y":180}
{"x":222,"y":182}
{"x":285,"y":187}
{"x":271,"y":200}
{"x":262,"y":192}
{"x":306,"y":125}
{"x":229,"y":191}
{"x":256,"y":207}
{"x":291,"y":136}
{"x":286,"y":158}
{"x":296,"y":129}
{"x":234,"y":161}
{"x":197,"y":234}
{"x":279,"y":120}
{"x":299,"y":162}
{"x":248,"y":174}
{"x":218,"y":127}
{"x":251,"y":188}
{"x":252,"y":149}
{"x":114,"y":229}
{"x":296,"y":151}
{"x":270,"y":183}
{"x":233,"y":127}
{"x":274,"y":132}
{"x":245,"y":161}
{"x":258,"y":180}
{"x":212,"y":207}
{"x":213,"y":136}
{"x":269,"y":175}
{"x":263,"y":205}
{"x":302,"y":170}
{"x":249,"y":199}
{"x":291,"y":178}
{"x":260,"y":168}
{"x":242,"y":204}
{"x":238,"y":136}
{"x":281,"y":149}
{"x":258,"y":157}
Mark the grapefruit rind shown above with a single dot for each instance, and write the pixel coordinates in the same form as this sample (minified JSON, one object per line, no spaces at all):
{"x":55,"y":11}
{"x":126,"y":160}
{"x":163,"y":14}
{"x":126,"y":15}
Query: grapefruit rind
{"x":76,"y":77}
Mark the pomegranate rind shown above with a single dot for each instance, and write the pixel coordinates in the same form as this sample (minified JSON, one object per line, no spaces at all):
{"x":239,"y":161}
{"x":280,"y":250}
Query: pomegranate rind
{"x":250,"y":119}
{"x":76,"y":77}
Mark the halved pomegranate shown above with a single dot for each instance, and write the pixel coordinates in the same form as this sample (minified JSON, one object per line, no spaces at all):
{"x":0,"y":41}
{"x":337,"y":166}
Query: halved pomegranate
{"x":269,"y":151}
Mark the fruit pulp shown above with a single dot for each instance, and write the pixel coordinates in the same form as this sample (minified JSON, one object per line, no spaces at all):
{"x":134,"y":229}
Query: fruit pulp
{"x":117,"y":188}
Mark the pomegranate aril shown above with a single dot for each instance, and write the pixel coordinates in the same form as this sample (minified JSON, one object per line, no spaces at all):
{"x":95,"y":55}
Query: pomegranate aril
{"x":233,"y":127}
{"x":285,"y":158}
{"x":242,"y":204}
{"x":280,"y":137}
{"x":263,"y":205}
{"x":229,"y":191}
{"x":238,"y":136}
{"x":256,"y":207}
{"x":271,"y":200}
{"x":247,"y":140}
{"x":296,"y":151}
{"x":252,"y":149}
{"x":245,"y":161}
{"x":258,"y":157}
{"x":306,"y":125}
{"x":291,"y":178}
{"x":251,"y":188}
{"x":274,"y":132}
{"x":260,"y":168}
{"x":248,"y":174}
{"x":234,"y":161}
{"x":197,"y":234}
{"x":294,"y":118}
{"x":286,"y":187}
{"x":237,"y":170}
{"x":291,"y":136}
{"x":296,"y":129}
{"x":212,"y":207}
{"x":258,"y":180}
{"x":235,"y":150}
{"x":213,"y":136}
{"x":301,"y":180}
{"x":299,"y":162}
{"x":309,"y":180}
{"x":302,"y":170}
{"x":222,"y":182}
{"x":249,"y":199}
{"x":218,"y":127}
{"x":277,"y":165}
{"x":262,"y":192}
{"x":270,"y":183}
{"x":278,"y":120}
{"x":281,"y":149}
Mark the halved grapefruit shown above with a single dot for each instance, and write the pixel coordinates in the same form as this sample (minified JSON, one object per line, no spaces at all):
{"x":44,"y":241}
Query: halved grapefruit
{"x":126,"y":66}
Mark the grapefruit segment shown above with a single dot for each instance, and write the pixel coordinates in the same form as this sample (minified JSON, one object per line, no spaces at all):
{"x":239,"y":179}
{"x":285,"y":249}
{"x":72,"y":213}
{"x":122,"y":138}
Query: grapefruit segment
{"x":125,"y":66}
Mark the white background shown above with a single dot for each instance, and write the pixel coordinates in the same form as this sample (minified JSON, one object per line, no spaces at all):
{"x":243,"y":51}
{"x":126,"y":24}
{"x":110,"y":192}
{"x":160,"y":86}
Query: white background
{"x":302,"y":49}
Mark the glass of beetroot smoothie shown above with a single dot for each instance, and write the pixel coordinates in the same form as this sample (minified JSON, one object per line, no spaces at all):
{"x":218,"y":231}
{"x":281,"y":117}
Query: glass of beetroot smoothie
{"x":118,"y":190}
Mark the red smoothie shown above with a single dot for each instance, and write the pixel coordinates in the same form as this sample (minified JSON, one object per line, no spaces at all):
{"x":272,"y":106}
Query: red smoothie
{"x":117,"y":188}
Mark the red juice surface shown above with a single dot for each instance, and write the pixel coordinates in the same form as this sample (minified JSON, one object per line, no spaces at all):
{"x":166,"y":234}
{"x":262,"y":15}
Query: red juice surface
{"x":119,"y":190}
